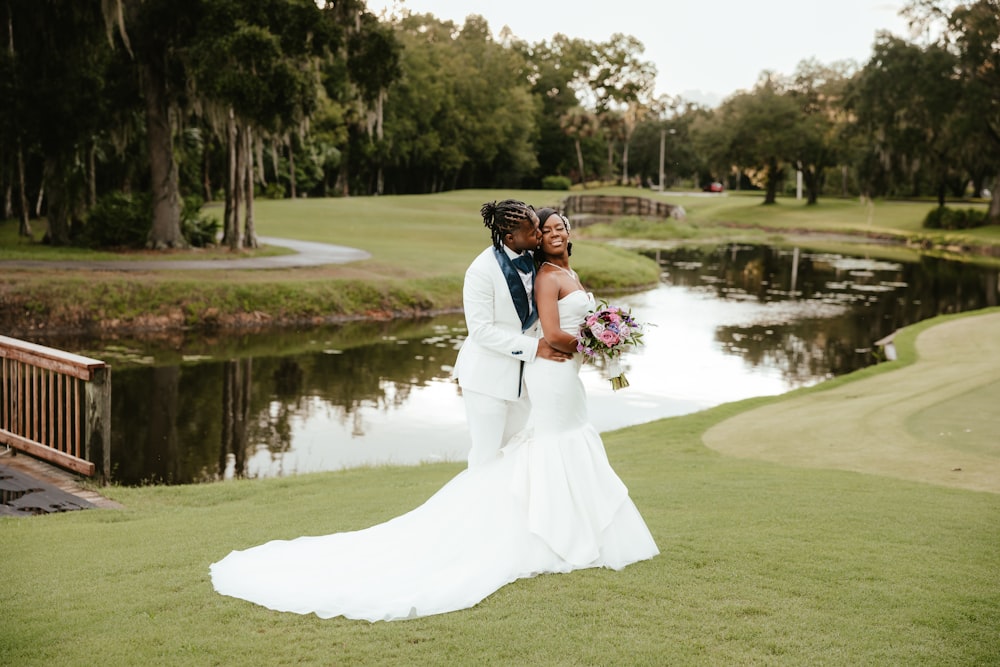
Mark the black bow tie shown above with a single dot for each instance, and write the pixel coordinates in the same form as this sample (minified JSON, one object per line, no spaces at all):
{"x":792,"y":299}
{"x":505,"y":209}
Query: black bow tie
{"x":524,"y":263}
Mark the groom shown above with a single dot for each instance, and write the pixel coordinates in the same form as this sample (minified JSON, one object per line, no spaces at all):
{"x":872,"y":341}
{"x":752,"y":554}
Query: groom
{"x":503,"y":334}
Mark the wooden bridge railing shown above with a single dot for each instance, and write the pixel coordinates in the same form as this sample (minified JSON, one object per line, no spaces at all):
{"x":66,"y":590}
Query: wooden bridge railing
{"x":615,"y":205}
{"x":55,"y":405}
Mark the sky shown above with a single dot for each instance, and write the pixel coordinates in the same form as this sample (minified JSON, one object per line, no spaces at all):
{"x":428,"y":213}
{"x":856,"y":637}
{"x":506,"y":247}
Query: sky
{"x":703,"y":51}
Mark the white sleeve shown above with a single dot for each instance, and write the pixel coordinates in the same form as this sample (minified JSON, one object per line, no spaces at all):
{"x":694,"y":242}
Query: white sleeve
{"x":479,"y":301}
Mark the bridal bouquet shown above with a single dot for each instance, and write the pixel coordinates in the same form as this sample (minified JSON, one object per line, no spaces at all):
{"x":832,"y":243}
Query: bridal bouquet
{"x":605,"y":334}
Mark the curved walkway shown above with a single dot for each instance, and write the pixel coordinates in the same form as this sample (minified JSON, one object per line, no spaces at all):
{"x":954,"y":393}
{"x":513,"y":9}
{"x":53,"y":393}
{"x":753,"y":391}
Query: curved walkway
{"x":307,"y":253}
{"x":934,"y":421}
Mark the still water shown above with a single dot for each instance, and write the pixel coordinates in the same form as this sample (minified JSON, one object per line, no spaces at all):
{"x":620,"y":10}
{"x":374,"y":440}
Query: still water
{"x":727,"y":324}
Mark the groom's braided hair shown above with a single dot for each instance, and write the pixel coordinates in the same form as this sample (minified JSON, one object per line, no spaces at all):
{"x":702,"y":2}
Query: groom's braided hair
{"x":504,"y":218}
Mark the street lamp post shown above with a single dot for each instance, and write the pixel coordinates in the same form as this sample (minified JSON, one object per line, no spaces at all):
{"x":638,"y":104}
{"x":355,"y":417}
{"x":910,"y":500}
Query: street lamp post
{"x":663,"y":143}
{"x":663,"y":146}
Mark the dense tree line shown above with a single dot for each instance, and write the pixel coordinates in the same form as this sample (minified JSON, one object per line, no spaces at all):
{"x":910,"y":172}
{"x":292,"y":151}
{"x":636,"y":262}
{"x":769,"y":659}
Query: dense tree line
{"x":120,"y":117}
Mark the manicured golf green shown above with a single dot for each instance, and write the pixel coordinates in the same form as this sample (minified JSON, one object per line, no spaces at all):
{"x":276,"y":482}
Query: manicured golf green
{"x":936,"y":421}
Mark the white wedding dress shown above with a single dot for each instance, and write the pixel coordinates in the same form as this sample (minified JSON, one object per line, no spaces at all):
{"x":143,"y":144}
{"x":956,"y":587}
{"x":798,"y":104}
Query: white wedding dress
{"x":551,"y":503}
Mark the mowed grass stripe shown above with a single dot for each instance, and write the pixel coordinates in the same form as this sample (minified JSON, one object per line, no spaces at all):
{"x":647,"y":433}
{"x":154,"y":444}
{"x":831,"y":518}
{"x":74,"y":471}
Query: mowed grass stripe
{"x":934,"y":420}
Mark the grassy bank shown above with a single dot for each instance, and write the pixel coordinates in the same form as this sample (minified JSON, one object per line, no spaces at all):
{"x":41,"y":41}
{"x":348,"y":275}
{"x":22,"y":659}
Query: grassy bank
{"x":762,"y":563}
{"x":420,"y":247}
{"x":891,"y":229}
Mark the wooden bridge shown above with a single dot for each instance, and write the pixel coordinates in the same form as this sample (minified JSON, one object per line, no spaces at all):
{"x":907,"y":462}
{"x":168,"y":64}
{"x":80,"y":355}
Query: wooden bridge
{"x":594,"y":208}
{"x":55,"y":406}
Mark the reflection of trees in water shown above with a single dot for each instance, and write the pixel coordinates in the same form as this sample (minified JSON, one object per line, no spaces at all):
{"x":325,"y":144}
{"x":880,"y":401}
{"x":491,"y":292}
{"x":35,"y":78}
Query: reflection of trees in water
{"x":877,"y":297}
{"x":236,"y":389}
{"x":380,"y":376}
{"x":184,"y":423}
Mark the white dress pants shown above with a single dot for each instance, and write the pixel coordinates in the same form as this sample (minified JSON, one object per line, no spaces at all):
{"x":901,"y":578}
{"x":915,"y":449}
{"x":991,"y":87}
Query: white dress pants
{"x":492,"y":421}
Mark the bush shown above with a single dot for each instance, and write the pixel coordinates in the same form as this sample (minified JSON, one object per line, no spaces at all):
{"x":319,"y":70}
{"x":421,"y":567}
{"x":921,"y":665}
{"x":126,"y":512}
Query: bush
{"x":556,"y":183}
{"x":198,"y":230}
{"x":118,"y":220}
{"x":943,"y":217}
{"x":275,"y":191}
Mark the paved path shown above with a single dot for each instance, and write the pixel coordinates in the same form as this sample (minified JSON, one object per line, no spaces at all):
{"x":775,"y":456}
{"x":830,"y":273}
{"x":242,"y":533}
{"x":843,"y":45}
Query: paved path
{"x":306,"y":253}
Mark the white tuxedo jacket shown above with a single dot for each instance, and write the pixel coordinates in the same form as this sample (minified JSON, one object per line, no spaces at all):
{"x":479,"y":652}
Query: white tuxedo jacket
{"x":492,"y":355}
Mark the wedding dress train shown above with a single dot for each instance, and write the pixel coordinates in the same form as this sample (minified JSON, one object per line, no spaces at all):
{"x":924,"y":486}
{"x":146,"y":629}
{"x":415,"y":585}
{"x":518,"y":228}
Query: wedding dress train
{"x":550,"y":503}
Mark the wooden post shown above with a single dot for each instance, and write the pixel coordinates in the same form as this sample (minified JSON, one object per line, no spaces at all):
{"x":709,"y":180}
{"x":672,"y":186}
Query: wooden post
{"x":98,"y":414}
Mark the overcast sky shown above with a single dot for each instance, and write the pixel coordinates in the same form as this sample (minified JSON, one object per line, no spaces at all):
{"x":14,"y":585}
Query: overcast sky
{"x":703,"y":51}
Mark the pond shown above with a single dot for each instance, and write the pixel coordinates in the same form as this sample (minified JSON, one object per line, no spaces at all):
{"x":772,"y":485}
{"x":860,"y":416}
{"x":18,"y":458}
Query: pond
{"x":729,"y":323}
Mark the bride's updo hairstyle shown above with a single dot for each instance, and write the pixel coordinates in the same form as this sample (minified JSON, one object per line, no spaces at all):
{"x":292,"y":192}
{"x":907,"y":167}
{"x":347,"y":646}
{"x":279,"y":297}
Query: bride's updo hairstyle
{"x":543,"y":215}
{"x":504,"y":218}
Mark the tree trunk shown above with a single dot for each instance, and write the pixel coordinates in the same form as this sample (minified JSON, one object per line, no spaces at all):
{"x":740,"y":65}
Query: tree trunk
{"x":59,"y":202}
{"x":772,"y":182}
{"x":230,"y":219}
{"x":291,"y":168}
{"x":579,"y":161}
{"x":249,"y":233}
{"x":91,"y":175}
{"x":206,"y":178}
{"x":380,"y":136}
{"x":40,"y":198}
{"x":166,"y":230}
{"x":24,"y":229}
{"x":625,"y":165}
{"x":610,"y":174}
{"x":237,"y":172}
{"x":812,"y":186}
{"x":994,"y":212}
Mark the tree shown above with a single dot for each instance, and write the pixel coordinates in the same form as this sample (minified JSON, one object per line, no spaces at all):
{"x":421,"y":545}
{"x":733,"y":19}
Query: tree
{"x":250,"y":68}
{"x":554,"y":68}
{"x":818,"y":91}
{"x":976,"y":31}
{"x":579,"y":124}
{"x":758,"y":131}
{"x":55,"y":57}
{"x":671,"y":130}
{"x":156,"y":33}
{"x":970,"y":31}
{"x":461,"y":114}
{"x":906,"y":101}
{"x":622,"y":85}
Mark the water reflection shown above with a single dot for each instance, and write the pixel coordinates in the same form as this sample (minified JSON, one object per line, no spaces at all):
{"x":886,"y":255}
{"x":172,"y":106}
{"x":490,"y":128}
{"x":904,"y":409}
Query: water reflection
{"x":731,"y":323}
{"x":820,"y":313}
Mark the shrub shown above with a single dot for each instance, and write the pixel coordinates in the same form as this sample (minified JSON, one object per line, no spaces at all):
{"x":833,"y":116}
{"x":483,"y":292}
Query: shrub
{"x":556,"y":183}
{"x":198,"y":230}
{"x":118,"y":220}
{"x":274,"y":191}
{"x":943,"y":217}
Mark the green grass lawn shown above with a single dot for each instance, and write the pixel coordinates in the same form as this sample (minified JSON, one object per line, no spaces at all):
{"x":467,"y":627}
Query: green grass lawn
{"x":762,"y":562}
{"x":420,"y":246}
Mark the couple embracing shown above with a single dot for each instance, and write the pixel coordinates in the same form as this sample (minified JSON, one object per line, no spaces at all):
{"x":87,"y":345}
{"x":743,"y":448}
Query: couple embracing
{"x":538,"y":496}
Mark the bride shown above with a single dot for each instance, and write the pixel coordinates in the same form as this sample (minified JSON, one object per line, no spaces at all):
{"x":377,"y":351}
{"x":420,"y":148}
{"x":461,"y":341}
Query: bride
{"x":550,"y":503}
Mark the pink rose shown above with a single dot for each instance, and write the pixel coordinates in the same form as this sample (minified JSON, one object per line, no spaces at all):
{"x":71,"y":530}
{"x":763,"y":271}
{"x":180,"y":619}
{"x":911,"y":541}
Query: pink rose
{"x":609,"y":337}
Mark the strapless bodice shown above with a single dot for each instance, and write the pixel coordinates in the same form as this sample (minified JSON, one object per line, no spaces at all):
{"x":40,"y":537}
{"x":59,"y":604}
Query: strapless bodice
{"x":573,"y":309}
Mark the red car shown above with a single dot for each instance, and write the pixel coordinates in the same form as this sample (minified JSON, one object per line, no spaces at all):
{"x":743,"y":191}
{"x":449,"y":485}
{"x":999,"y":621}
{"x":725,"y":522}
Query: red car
{"x":713,"y":187}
